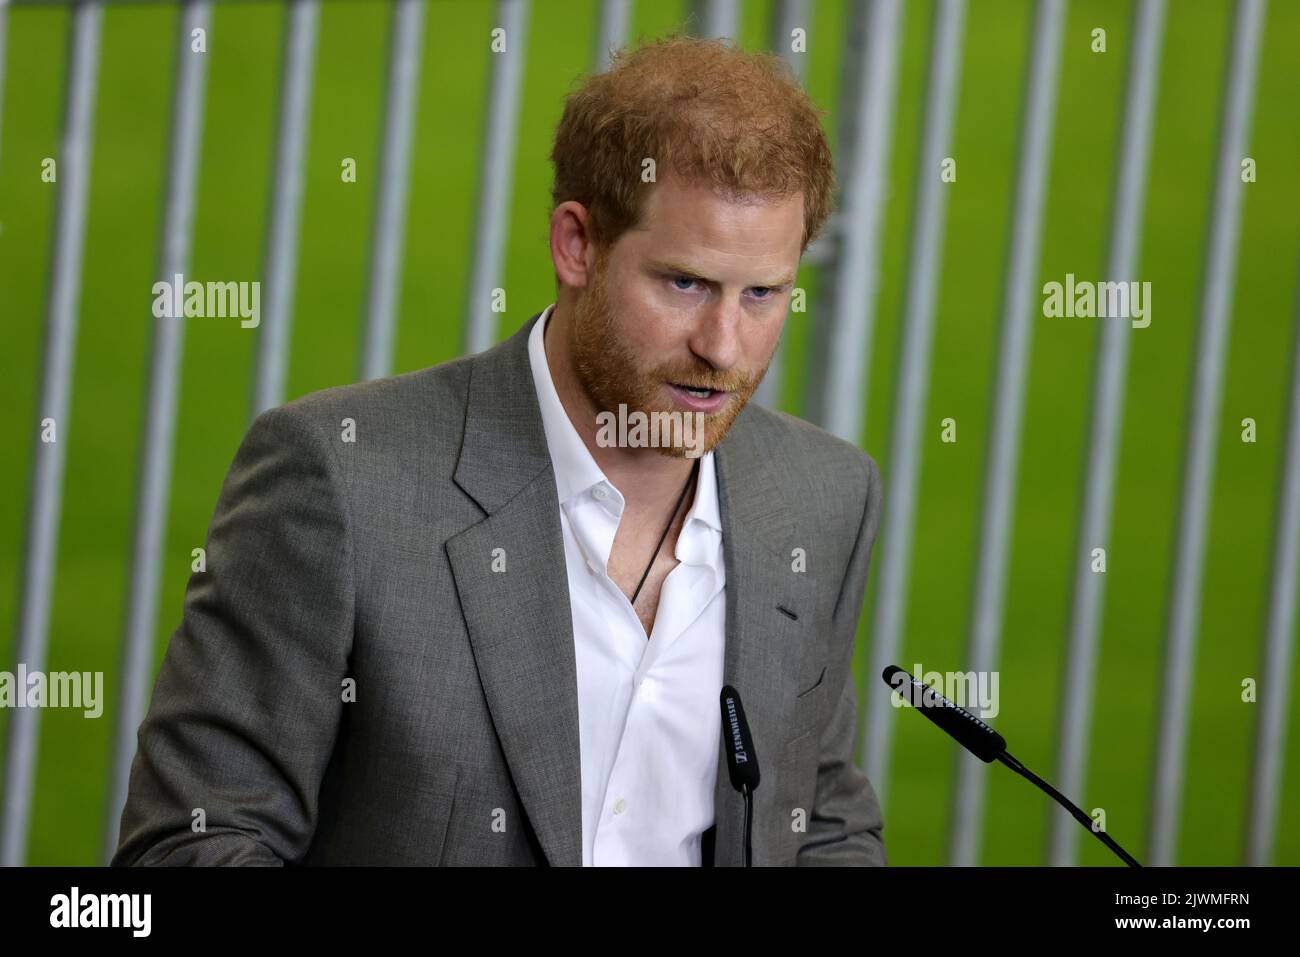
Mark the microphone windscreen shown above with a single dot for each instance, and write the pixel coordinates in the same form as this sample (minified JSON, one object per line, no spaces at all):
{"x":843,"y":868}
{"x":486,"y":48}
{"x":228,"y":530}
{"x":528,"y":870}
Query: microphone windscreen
{"x":742,"y":760}
{"x":971,"y":733}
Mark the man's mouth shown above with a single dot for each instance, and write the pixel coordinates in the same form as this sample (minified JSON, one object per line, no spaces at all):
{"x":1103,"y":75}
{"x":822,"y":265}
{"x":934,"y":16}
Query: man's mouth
{"x":699,"y":398}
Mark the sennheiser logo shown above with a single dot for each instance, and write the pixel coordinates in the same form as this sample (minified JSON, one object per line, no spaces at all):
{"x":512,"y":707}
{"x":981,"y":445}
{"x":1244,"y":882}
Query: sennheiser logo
{"x":737,"y":746}
{"x":102,"y":910}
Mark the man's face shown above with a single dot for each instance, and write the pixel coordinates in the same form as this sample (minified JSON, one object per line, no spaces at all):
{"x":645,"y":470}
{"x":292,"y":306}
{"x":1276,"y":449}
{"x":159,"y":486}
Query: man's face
{"x":695,"y":296}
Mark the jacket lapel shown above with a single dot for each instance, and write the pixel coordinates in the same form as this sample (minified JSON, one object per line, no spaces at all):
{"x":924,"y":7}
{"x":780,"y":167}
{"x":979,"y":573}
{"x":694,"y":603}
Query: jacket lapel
{"x":763,"y":644}
{"x":518,"y":619}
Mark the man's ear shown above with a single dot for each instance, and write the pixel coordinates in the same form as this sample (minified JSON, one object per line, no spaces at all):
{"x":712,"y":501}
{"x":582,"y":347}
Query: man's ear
{"x":572,"y":250}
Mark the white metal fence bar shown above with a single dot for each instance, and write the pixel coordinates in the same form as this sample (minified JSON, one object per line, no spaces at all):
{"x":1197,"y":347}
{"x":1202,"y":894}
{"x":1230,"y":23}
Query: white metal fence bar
{"x":842,"y":346}
{"x":281,"y":270}
{"x":894,"y":545}
{"x":386,"y":245}
{"x":49,"y":458}
{"x":615,"y":16}
{"x":1079,"y":680}
{"x":1275,"y":676}
{"x":156,"y":451}
{"x":787,"y":15}
{"x":497,"y":181}
{"x":1019,"y":309}
{"x":1203,"y":431}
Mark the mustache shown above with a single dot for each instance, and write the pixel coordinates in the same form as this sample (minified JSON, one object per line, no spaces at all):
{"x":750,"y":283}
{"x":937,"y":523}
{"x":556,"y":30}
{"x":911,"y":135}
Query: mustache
{"x":704,"y":380}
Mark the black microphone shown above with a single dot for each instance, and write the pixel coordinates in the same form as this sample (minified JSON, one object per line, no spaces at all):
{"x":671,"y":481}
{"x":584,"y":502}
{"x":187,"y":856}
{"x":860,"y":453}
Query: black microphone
{"x":971,"y":733}
{"x":983,"y":742}
{"x":742,"y":759}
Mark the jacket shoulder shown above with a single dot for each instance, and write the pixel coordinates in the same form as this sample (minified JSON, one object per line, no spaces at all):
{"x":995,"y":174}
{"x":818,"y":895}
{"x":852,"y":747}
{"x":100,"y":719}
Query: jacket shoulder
{"x":798,"y":447}
{"x":440,"y":389}
{"x":393,"y":425}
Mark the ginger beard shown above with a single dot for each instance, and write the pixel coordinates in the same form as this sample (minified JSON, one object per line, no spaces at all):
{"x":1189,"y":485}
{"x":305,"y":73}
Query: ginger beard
{"x":607,"y":368}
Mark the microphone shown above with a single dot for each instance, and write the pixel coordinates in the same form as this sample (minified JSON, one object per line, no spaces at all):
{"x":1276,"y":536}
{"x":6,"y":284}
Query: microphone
{"x":742,"y":759}
{"x":971,"y":733}
{"x":983,"y":742}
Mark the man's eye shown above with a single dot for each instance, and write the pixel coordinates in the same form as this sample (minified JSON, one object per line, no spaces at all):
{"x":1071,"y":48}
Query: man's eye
{"x":764,"y":292}
{"x":683,"y":279}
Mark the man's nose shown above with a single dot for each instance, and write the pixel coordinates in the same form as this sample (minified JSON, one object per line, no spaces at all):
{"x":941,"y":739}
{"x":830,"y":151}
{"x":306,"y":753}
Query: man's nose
{"x":716,"y":338}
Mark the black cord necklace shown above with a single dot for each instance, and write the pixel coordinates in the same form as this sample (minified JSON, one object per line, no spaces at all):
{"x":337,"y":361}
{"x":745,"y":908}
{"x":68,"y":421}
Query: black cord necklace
{"x":672,"y":518}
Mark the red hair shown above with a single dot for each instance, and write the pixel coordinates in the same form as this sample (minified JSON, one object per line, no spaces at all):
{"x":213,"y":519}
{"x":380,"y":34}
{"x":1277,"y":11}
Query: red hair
{"x":703,"y":109}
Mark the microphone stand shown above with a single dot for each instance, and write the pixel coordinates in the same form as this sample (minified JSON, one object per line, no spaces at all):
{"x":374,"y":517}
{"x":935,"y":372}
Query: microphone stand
{"x":1065,"y":802}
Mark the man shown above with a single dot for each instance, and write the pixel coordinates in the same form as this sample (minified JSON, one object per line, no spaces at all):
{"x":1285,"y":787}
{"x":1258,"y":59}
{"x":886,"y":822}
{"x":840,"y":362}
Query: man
{"x":454,"y":617}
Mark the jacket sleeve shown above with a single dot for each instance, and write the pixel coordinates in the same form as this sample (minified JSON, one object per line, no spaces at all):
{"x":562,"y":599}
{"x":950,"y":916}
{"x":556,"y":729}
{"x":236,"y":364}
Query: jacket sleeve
{"x":247,"y":703}
{"x":845,"y":824}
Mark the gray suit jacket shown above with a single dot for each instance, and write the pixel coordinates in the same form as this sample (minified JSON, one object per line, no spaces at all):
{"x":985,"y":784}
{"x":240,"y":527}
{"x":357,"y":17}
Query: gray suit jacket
{"x":367,"y":565}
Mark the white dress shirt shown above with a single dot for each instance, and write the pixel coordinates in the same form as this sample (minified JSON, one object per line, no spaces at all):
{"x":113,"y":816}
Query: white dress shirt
{"x":648,"y":715}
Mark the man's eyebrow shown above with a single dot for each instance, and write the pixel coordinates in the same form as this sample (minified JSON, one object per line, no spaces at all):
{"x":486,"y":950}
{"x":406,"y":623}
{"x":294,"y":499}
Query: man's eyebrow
{"x":680,"y":270}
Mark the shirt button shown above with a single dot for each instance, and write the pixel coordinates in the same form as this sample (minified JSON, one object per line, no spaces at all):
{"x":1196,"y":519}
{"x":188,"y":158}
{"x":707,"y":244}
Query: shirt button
{"x":595,"y":568}
{"x":601,"y":493}
{"x":620,"y":806}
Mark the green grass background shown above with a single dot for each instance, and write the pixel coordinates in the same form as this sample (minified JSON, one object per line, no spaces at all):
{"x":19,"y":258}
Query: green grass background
{"x":112,"y":346}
